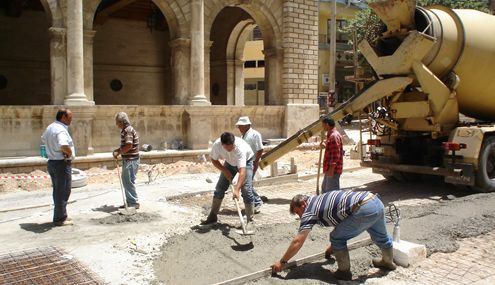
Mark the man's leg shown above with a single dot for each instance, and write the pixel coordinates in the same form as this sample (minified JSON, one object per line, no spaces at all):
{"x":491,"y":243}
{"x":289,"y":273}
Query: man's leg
{"x":379,"y":234}
{"x":220,"y":189}
{"x":330,"y":183}
{"x":129,"y":171}
{"x":61,"y":175}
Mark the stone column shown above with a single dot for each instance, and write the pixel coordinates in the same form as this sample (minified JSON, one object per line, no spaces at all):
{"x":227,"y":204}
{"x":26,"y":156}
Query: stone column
{"x":58,"y":65}
{"x":273,"y":76}
{"x":81,"y":129}
{"x":196,"y":120}
{"x":180,"y":49}
{"x":75,"y":55}
{"x":239,"y":82}
{"x":207,"y":70}
{"x":197,"y":96}
{"x":88,"y":64}
{"x":231,"y":88}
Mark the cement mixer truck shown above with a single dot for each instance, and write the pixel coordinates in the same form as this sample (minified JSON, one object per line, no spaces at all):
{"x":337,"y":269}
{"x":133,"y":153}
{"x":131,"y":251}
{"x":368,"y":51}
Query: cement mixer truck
{"x":434,"y":66}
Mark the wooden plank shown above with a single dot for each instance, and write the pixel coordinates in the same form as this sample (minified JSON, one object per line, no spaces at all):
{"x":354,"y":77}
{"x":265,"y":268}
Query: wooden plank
{"x":308,"y":259}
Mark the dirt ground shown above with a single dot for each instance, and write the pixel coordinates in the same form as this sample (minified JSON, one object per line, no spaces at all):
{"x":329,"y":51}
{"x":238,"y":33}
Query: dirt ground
{"x":171,"y":248}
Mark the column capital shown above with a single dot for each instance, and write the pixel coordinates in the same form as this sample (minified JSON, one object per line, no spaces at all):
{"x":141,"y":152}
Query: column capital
{"x":180,"y":43}
{"x":57,"y":33}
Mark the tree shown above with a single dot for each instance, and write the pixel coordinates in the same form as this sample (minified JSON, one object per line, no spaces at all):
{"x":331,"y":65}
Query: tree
{"x":369,"y":26}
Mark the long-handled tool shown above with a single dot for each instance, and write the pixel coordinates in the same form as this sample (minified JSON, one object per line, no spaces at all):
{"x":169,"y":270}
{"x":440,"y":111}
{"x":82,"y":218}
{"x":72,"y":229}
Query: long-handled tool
{"x":126,"y":210}
{"x":243,"y":225}
{"x":319,"y":167}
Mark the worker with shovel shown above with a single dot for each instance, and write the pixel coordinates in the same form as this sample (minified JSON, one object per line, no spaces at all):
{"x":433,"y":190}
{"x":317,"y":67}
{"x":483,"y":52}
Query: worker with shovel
{"x":129,"y":150}
{"x":351,"y":213}
{"x":238,"y":159}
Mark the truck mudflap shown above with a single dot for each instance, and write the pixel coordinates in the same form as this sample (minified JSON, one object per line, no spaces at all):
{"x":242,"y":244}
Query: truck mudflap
{"x":467,"y":177}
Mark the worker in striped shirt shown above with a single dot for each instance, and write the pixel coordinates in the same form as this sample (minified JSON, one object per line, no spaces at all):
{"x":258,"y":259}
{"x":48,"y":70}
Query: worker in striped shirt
{"x":351,"y":213}
{"x":129,"y":150}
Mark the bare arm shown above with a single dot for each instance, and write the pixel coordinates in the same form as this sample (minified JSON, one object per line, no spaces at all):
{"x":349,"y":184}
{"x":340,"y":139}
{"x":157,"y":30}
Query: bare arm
{"x":256,"y":160}
{"x":224,"y":170}
{"x":242,"y":175}
{"x":294,"y":247}
{"x":67,"y":151}
{"x":122,"y":150}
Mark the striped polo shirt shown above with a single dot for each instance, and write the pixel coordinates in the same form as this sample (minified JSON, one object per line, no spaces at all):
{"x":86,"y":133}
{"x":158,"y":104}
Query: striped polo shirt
{"x":329,"y":209}
{"x":127,"y":136}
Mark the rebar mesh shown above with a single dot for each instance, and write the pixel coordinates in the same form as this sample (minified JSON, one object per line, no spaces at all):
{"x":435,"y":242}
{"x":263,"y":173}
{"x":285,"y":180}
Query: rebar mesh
{"x":47,"y":265}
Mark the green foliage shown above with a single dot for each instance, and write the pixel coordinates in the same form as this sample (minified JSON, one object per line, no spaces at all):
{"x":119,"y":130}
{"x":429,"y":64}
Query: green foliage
{"x":458,"y":4}
{"x":368,"y":25}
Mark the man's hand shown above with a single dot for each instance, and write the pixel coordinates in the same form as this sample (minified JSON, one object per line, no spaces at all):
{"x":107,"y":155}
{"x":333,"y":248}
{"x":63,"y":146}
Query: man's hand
{"x":277,"y":267}
{"x":115,"y":153}
{"x":236,"y":194}
{"x":227,"y":174}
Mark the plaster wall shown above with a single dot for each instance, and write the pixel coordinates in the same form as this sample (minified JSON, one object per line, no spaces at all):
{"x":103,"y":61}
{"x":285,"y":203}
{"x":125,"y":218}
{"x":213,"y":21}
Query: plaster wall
{"x":140,"y":59}
{"x":95,"y":126}
{"x":25,"y":59}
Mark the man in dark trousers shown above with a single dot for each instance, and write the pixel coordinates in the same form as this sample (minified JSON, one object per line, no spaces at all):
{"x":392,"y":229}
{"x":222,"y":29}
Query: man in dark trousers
{"x":60,"y":152}
{"x":351,"y":213}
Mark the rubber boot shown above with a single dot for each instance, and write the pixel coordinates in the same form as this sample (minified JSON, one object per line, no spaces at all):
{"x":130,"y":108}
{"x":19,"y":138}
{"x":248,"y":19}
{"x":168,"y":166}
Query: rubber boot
{"x":387,"y":261}
{"x":344,"y":264}
{"x":215,"y":208}
{"x":249,"y":208}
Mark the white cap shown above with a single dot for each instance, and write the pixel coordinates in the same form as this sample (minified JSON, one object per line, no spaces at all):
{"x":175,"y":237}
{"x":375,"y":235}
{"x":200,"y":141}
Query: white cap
{"x":243,"y":121}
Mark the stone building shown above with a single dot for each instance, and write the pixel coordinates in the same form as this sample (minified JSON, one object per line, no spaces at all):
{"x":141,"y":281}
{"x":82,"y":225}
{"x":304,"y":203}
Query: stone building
{"x":175,"y":66}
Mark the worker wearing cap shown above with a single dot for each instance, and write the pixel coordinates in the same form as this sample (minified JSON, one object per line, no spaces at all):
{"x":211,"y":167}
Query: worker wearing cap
{"x":351,"y":213}
{"x":253,"y":138}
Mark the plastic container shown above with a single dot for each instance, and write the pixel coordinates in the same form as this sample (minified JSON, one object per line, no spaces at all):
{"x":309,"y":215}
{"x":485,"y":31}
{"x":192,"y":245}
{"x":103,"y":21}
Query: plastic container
{"x":43,"y":151}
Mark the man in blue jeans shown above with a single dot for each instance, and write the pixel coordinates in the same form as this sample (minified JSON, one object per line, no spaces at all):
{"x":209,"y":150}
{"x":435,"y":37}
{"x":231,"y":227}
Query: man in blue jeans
{"x":351,"y":213}
{"x":60,"y":152}
{"x":238,"y":157}
{"x":129,"y":150}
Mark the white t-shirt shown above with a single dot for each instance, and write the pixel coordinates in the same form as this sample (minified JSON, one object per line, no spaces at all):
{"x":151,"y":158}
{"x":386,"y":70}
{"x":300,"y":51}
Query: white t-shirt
{"x":253,"y":138}
{"x":239,"y":155}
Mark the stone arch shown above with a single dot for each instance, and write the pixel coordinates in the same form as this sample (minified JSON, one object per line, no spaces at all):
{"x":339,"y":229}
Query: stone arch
{"x":235,"y":59}
{"x":175,"y":17}
{"x":262,"y":14}
{"x":229,"y":71}
{"x":53,"y":12}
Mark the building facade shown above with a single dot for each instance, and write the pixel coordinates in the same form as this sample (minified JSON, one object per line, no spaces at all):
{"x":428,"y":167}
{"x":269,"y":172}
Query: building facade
{"x":175,"y":66}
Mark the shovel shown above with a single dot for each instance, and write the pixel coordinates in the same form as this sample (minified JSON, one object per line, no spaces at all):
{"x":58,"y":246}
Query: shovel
{"x":126,"y":210}
{"x":319,"y":168}
{"x":243,"y":225}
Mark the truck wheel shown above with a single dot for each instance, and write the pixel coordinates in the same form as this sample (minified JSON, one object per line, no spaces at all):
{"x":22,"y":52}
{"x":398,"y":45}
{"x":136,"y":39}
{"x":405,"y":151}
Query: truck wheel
{"x":485,"y":176}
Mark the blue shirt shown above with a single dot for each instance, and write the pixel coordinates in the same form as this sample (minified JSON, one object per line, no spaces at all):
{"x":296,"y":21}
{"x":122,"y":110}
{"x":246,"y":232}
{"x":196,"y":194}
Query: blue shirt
{"x":329,"y":209}
{"x":56,"y":136}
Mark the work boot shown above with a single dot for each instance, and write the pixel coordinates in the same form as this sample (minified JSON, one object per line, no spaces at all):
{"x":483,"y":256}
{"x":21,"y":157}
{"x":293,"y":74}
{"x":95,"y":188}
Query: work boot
{"x":387,"y":261}
{"x":249,"y":208}
{"x":344,"y":264}
{"x":213,"y":216}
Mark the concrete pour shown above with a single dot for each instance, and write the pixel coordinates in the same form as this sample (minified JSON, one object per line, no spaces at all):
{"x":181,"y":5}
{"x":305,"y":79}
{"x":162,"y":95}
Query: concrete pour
{"x":434,"y":213}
